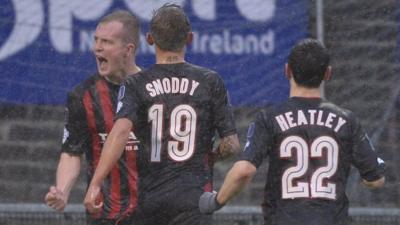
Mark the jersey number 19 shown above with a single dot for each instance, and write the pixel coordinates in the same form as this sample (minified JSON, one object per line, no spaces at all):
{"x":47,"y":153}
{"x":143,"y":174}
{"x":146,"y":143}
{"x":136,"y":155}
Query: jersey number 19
{"x":182,"y":130}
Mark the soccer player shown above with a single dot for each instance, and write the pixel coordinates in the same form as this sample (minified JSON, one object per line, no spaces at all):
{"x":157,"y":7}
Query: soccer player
{"x":90,"y":116}
{"x":311,"y":144}
{"x":175,"y":109}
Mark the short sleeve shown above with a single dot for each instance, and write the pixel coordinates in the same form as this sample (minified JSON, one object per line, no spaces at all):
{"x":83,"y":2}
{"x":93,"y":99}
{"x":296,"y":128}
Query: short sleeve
{"x":76,"y":135}
{"x":259,"y":141}
{"x":364,"y":157}
{"x":222,"y":109}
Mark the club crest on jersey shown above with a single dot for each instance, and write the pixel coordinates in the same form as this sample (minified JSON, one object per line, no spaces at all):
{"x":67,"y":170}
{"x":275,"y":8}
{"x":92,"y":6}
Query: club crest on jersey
{"x":121,"y":95}
{"x":250,"y":133}
{"x":121,"y":92}
{"x":65,"y":135}
{"x":119,"y":106}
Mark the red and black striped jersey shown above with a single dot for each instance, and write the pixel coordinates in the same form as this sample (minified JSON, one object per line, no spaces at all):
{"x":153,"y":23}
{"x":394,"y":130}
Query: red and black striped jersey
{"x":90,"y":114}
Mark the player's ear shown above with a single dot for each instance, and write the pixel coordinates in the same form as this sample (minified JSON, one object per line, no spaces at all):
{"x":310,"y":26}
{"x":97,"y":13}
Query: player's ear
{"x":288,"y":71}
{"x":328,"y":73}
{"x":189,"y":38}
{"x":149,"y":39}
{"x":130,"y":49}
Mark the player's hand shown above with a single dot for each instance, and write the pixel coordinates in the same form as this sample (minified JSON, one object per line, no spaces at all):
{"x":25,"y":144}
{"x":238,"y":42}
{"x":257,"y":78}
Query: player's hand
{"x":208,"y":203}
{"x":56,"y":199}
{"x":91,"y":199}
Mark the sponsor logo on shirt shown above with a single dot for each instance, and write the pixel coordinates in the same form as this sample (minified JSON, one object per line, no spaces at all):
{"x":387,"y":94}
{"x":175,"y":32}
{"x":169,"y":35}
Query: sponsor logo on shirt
{"x":131,"y":144}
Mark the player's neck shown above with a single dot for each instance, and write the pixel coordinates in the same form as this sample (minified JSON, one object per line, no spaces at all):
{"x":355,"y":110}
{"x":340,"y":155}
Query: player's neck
{"x":167,"y":57}
{"x":120,"y":76}
{"x":305,"y":92}
{"x":133,"y":69}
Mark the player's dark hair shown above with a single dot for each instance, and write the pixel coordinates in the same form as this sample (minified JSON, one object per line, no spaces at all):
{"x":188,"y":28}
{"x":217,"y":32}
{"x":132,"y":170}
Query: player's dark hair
{"x":131,"y":25}
{"x":170,"y":27}
{"x":309,"y":60}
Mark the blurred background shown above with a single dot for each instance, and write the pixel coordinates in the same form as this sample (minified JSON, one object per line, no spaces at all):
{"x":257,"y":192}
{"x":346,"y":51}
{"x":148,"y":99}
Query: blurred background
{"x":45,"y":51}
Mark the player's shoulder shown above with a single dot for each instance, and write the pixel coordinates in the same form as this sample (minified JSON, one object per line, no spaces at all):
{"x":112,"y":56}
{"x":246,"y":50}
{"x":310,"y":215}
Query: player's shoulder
{"x":208,"y":73}
{"x":267,"y":111}
{"x":79,"y":89}
{"x":338,"y":110}
{"x":208,"y":76}
{"x":348,"y":115}
{"x":134,"y":78}
{"x":201,"y":69}
{"x":189,"y":69}
{"x":186,"y":67}
{"x":85,"y":84}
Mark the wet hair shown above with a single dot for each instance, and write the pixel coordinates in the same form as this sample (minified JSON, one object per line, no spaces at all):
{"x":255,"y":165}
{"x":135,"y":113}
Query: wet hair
{"x":131,"y":25}
{"x":170,"y":27}
{"x":309,"y":60}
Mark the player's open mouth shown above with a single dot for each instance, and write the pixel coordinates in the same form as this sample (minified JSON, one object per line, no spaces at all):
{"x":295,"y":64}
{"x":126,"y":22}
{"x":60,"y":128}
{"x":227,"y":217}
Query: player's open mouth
{"x":101,"y":60}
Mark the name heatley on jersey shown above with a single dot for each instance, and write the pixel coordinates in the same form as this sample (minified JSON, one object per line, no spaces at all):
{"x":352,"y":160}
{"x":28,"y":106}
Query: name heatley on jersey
{"x":318,"y":117}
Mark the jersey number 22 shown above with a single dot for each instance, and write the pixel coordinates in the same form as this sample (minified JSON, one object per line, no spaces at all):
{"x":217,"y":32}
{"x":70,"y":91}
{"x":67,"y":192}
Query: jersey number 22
{"x":318,"y":186}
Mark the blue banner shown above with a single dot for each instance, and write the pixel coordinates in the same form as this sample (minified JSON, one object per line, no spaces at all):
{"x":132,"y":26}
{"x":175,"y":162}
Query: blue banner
{"x":45,"y":45}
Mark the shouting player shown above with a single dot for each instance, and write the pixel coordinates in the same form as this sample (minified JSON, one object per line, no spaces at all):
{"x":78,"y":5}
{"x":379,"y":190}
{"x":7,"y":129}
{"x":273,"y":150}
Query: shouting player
{"x":90,"y":117}
{"x":311,"y":144}
{"x":175,"y":108}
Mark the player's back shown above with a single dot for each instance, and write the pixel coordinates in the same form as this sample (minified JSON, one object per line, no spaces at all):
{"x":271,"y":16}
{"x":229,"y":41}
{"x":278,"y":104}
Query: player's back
{"x":180,"y":108}
{"x":313,"y":143}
